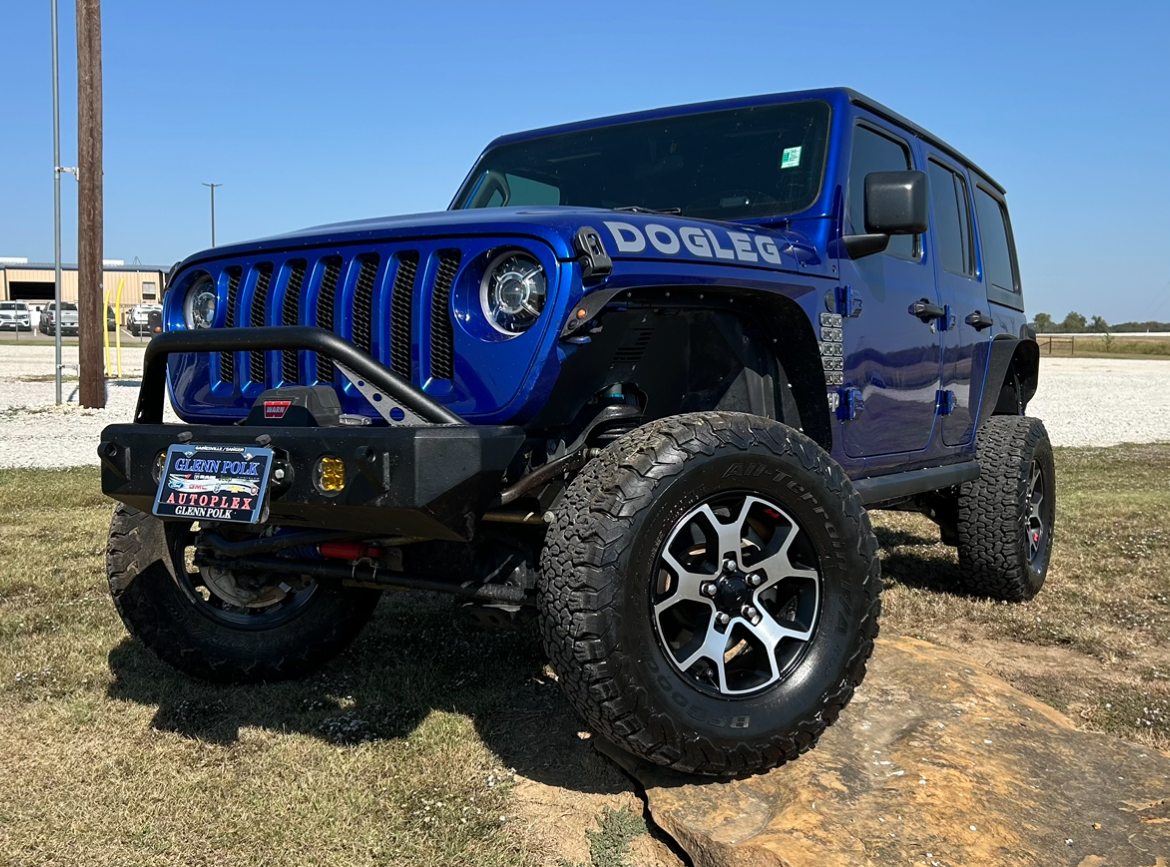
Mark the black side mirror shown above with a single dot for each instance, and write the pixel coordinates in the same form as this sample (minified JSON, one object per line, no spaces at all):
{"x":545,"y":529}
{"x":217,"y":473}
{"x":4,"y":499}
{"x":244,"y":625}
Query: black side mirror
{"x":896,"y":203}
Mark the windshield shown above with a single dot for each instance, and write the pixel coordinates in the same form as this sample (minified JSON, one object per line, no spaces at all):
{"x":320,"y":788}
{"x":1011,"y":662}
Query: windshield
{"x":727,"y":165}
{"x":11,"y":305}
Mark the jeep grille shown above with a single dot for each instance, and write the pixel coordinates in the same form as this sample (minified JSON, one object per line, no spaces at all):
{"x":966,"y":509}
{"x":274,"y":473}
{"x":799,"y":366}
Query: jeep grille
{"x":401,"y":311}
{"x":290,"y":369}
{"x":227,"y":361}
{"x":259,"y":308}
{"x":374,"y":287}
{"x":442,"y":335}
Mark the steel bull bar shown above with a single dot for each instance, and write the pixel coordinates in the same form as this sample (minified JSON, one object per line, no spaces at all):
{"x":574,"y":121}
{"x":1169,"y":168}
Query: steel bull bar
{"x":154,"y":373}
{"x":430,"y":478}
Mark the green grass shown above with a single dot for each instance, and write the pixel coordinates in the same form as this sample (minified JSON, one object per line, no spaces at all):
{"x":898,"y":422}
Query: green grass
{"x":1158,"y":347}
{"x":399,"y":753}
{"x":609,"y":844}
{"x":411,"y":747}
{"x":1102,"y":347}
{"x":1124,"y":356}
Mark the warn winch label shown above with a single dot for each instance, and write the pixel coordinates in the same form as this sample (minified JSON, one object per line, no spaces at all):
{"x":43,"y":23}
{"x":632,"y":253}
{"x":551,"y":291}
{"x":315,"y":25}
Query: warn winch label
{"x":694,"y":241}
{"x":276,"y":408}
{"x":212,"y":482}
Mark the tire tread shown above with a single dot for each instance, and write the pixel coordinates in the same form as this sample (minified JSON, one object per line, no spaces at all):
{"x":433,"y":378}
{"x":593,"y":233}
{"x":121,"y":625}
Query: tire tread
{"x":135,"y":573}
{"x":993,"y":557}
{"x":579,"y":580}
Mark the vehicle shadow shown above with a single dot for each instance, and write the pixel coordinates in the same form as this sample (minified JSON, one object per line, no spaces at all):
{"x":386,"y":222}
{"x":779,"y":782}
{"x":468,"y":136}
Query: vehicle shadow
{"x":419,"y":655}
{"x":906,"y":560}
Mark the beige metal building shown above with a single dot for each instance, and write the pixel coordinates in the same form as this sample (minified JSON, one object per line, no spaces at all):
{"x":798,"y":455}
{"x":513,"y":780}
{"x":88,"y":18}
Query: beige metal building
{"x":21,"y":280}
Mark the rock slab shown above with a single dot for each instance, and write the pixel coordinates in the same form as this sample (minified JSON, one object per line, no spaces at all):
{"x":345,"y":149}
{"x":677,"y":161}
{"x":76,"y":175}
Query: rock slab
{"x":936,"y":762}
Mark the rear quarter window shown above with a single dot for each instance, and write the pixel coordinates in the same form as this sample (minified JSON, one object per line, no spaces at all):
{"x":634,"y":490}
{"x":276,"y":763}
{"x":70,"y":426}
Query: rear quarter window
{"x":1000,"y":273}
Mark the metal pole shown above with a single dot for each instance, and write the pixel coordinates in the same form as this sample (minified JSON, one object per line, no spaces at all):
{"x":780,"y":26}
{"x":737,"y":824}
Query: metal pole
{"x":212,"y":188}
{"x":56,"y":210}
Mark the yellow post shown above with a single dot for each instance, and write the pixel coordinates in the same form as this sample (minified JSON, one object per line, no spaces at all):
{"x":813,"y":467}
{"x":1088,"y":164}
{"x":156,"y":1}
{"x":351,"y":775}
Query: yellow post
{"x":105,"y":333}
{"x":118,"y":324}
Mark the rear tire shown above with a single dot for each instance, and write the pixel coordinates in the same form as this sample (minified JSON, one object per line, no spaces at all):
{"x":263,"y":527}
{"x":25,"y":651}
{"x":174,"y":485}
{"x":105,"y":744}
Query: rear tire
{"x":635,"y":635}
{"x":158,"y":603}
{"x":1007,"y":515}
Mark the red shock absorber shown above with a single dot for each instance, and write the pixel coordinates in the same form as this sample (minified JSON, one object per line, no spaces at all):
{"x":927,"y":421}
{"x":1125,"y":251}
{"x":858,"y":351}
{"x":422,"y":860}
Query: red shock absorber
{"x":349,"y":550}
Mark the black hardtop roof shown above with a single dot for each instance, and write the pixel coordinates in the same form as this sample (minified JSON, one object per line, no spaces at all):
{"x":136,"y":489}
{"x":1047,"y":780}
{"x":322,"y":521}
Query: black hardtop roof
{"x":829,"y":94}
{"x":889,"y":114}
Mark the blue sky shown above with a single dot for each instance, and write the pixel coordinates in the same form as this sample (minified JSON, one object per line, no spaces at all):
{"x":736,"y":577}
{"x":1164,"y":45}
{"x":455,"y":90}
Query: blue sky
{"x":312,"y":112}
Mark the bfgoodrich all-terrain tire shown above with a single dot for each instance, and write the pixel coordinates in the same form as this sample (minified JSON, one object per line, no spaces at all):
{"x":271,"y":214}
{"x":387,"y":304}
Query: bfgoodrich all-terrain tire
{"x":709,"y":592}
{"x":1007,"y":515}
{"x":164,"y":605}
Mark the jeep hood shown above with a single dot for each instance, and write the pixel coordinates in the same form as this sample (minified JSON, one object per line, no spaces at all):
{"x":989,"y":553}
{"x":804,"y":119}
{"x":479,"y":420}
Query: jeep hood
{"x":626,"y":235}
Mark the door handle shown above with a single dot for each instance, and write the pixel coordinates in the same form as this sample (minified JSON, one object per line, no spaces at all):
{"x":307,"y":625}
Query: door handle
{"x":979,"y":321}
{"x":926,"y":311}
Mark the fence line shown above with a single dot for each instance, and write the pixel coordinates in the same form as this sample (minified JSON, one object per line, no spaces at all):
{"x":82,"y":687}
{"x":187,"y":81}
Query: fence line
{"x":1060,"y":346}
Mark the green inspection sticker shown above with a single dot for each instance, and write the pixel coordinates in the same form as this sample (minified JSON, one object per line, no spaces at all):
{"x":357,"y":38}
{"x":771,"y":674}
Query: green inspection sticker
{"x":790,"y":158}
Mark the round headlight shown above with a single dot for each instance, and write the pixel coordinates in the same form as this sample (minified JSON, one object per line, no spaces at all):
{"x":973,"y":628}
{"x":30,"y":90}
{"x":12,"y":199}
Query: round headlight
{"x":513,"y":292}
{"x":199,"y":305}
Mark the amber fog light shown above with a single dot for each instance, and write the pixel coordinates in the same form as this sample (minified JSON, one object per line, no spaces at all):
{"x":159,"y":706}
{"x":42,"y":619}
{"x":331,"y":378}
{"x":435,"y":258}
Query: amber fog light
{"x":160,"y":464}
{"x":329,"y":475}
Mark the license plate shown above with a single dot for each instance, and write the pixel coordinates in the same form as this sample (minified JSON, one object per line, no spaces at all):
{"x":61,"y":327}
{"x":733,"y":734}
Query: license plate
{"x":212,"y":482}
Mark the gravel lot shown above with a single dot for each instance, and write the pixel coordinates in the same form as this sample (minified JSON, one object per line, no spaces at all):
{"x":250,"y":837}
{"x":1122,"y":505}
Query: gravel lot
{"x":1103,"y":401}
{"x":1083,"y":401}
{"x":34,"y":432}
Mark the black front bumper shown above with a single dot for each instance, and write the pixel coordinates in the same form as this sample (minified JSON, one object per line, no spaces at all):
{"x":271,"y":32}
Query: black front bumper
{"x":433,"y":480}
{"x":429,"y":482}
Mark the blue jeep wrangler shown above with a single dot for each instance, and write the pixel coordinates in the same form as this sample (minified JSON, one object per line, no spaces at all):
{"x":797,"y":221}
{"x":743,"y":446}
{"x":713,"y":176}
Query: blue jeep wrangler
{"x":641,"y":381}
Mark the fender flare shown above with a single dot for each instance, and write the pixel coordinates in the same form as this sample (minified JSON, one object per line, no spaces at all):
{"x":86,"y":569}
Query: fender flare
{"x":788,"y":336}
{"x":1011,"y":360}
{"x":797,"y":352}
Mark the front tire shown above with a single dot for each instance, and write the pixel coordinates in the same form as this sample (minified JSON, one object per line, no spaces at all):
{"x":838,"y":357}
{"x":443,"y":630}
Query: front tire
{"x":1007,"y":516}
{"x":163,"y":605}
{"x":709,"y":593}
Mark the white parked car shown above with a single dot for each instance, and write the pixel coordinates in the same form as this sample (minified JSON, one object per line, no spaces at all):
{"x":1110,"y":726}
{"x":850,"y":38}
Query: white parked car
{"x":15,"y":316}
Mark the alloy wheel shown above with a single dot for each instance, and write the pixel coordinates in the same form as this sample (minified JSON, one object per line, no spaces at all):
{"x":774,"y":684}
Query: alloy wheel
{"x":736,"y":594}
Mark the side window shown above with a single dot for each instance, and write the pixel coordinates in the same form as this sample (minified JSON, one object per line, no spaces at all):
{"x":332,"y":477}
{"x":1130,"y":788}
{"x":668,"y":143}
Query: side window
{"x":998,"y":262}
{"x":873,"y":152}
{"x":948,"y":194}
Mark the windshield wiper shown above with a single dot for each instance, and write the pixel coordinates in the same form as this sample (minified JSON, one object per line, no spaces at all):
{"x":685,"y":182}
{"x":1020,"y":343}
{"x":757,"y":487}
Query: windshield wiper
{"x":638,"y":209}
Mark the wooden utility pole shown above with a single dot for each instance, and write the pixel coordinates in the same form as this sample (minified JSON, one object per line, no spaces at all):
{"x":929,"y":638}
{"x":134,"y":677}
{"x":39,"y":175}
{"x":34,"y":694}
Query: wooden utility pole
{"x":91,"y":318}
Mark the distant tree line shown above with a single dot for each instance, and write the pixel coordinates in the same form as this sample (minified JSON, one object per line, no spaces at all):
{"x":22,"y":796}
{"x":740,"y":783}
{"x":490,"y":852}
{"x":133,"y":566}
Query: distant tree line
{"x":1075,"y":323}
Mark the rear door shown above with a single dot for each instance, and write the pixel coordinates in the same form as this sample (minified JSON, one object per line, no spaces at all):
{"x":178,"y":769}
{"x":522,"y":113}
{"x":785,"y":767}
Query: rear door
{"x":965,"y":331}
{"x":891,"y":358}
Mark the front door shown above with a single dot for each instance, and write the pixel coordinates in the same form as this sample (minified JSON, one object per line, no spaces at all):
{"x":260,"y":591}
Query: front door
{"x":891,"y":356}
